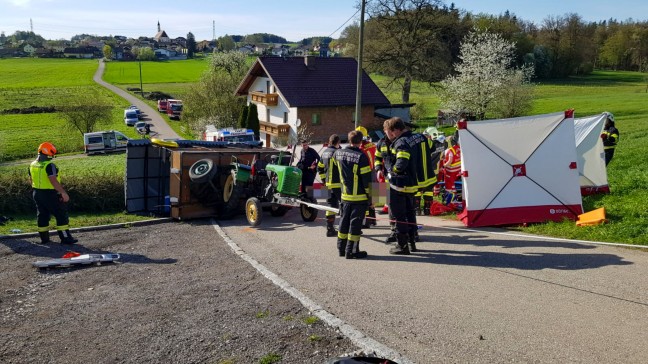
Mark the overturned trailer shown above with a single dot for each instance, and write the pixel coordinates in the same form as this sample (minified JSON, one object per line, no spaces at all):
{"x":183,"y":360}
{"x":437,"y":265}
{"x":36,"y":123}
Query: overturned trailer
{"x":190,"y":179}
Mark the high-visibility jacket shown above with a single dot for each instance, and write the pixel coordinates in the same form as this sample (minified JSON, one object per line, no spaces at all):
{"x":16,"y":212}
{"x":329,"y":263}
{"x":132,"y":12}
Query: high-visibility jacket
{"x":425,"y":169}
{"x":405,"y":165}
{"x":39,"y":177}
{"x":384,"y":160}
{"x":330,"y":179}
{"x":352,"y":166}
{"x":369,"y":149}
{"x":453,"y":154}
{"x":612,"y":139}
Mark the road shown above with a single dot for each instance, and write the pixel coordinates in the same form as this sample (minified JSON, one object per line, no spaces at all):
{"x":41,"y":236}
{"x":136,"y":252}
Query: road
{"x":152,"y":116}
{"x":468,"y":296}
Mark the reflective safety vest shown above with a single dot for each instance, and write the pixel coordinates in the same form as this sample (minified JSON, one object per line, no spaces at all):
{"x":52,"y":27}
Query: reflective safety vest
{"x":425,"y":169}
{"x":453,"y":152}
{"x":369,"y":149}
{"x":39,"y":177}
{"x":406,"y":161}
{"x":352,"y":165}
{"x":330,"y":179}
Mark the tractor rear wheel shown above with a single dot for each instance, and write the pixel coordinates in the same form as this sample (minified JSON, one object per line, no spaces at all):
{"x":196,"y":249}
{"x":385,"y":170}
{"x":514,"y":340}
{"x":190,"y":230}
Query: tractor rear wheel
{"x":253,"y":211}
{"x":231,"y":197}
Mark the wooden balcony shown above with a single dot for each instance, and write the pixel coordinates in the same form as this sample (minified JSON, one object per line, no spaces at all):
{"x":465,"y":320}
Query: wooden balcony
{"x":265,"y":99}
{"x":274,"y":129}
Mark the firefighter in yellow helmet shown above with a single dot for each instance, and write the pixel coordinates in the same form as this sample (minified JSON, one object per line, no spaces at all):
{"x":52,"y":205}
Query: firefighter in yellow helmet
{"x":49,"y":195}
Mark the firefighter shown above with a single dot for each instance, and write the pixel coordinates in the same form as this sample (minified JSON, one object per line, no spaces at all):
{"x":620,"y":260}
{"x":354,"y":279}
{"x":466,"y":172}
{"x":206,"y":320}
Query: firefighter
{"x":331,"y":181}
{"x":369,"y":148}
{"x":383,"y":165}
{"x":352,"y":165}
{"x":610,"y":138}
{"x":403,"y":183}
{"x":49,"y":195}
{"x":438,"y":147}
{"x":426,"y":172}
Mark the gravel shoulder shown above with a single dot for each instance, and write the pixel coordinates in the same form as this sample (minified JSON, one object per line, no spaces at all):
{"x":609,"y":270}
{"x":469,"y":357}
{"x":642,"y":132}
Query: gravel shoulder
{"x":178,"y":294}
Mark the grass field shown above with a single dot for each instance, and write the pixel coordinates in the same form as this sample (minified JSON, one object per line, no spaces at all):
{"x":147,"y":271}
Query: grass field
{"x":623,"y":93}
{"x":44,"y":83}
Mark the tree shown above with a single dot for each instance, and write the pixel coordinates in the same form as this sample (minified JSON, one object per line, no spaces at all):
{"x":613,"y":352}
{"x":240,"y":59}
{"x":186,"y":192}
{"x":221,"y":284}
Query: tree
{"x":485,"y":81}
{"x":191,"y":45}
{"x":107,"y":52}
{"x":212,"y":99}
{"x":252,"y":121}
{"x":83,"y":114}
{"x":225,"y":43}
{"x":407,"y":40}
{"x":243,"y":117}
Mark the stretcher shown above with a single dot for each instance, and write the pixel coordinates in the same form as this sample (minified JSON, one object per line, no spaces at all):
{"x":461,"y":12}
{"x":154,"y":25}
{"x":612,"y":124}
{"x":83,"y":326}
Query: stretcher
{"x":83,"y":259}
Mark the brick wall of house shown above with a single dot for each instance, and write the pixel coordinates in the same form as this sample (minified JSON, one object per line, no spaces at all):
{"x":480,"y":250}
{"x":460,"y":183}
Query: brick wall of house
{"x":338,"y":120}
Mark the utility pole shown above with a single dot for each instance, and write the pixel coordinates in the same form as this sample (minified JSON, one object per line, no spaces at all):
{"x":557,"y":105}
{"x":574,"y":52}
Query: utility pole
{"x":358,"y":107}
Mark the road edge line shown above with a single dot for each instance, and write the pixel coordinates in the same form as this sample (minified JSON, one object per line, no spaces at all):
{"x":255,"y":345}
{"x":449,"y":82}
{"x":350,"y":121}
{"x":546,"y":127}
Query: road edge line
{"x":356,"y":336}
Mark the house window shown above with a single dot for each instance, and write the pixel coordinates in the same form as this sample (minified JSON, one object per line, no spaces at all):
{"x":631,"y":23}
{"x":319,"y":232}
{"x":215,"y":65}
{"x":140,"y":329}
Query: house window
{"x":268,"y":115}
{"x":267,"y":87}
{"x":285,"y":117}
{"x":316,"y":119}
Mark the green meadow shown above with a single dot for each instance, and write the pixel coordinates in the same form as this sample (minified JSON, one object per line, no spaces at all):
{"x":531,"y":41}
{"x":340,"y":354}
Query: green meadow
{"x":622,"y":93}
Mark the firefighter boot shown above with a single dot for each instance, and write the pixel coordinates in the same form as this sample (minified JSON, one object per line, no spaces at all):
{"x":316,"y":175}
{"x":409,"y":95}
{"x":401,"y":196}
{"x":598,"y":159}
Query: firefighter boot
{"x":411,"y":240}
{"x":392,"y":235}
{"x":353,"y":251}
{"x":330,"y":230}
{"x":342,"y":246}
{"x":66,"y":237}
{"x":401,"y":248}
{"x":44,"y":236}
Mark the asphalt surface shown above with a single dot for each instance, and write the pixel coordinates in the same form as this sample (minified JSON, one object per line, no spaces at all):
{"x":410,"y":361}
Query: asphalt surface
{"x":151,"y":115}
{"x":477,"y":296}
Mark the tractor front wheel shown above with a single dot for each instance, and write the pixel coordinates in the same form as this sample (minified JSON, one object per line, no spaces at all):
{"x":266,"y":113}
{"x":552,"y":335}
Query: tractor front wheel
{"x":308,"y":214}
{"x":253,"y":211}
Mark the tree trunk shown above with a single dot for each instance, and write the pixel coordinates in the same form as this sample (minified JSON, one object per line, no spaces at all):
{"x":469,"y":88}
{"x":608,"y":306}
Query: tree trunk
{"x":407,"y":86}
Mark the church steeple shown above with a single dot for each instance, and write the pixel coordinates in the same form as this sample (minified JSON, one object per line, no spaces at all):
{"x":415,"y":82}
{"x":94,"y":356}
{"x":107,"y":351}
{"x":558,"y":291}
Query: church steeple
{"x":159,"y":26}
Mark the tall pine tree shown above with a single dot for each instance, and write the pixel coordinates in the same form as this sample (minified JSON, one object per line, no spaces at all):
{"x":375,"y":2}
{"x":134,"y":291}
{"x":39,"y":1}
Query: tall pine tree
{"x":253,"y":120}
{"x":243,"y":117}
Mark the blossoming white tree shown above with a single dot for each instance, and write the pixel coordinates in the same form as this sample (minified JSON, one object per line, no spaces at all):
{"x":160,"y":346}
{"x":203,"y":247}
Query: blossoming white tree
{"x":485,"y":81}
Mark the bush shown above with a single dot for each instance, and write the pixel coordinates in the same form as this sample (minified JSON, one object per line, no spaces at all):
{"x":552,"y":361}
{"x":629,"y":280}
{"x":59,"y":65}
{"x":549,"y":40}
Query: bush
{"x":97,"y":193}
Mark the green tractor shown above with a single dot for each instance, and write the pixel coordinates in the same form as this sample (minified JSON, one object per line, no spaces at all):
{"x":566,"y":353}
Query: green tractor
{"x":267,"y":184}
{"x":275,"y":187}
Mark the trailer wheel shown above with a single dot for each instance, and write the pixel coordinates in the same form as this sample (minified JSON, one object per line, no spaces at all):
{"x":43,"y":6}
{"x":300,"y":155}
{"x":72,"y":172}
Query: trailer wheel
{"x":202,"y":171}
{"x":308,"y":214}
{"x":278,"y":210}
{"x":253,"y":211}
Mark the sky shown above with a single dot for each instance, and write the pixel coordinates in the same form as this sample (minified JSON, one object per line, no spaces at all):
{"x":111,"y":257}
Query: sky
{"x":291,"y":19}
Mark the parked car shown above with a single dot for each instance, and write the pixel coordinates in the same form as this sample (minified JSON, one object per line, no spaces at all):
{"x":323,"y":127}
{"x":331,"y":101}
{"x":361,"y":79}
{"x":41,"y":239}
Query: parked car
{"x":137,"y":110}
{"x":140,"y":127}
{"x":104,"y":141}
{"x":130,"y":117}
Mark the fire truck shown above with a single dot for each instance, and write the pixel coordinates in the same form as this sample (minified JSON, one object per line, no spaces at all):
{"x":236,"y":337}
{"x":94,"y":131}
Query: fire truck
{"x":174,"y":108}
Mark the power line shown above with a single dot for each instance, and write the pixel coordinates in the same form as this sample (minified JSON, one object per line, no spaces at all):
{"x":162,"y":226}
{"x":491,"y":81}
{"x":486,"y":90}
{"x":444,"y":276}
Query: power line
{"x":354,"y":14}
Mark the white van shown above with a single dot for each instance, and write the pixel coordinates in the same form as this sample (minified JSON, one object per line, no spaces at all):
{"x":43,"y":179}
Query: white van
{"x":130,"y":117}
{"x":104,"y":142}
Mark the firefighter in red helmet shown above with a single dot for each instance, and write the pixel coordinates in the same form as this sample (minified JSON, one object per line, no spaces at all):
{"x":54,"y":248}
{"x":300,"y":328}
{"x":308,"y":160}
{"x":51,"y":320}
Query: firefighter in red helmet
{"x":49,"y":195}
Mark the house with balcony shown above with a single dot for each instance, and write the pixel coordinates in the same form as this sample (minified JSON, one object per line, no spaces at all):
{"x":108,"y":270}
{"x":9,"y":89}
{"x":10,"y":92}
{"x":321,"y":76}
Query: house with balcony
{"x":318,"y":94}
